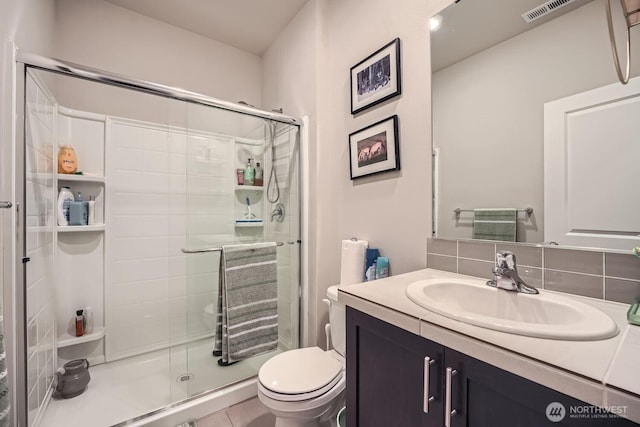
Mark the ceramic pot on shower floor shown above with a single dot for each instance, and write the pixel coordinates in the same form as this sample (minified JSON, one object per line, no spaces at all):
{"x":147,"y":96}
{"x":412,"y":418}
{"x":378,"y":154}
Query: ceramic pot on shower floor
{"x":72,"y":378}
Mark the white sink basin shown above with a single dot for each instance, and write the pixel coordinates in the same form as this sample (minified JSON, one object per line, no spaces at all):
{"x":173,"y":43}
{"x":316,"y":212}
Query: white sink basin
{"x":545,"y":315}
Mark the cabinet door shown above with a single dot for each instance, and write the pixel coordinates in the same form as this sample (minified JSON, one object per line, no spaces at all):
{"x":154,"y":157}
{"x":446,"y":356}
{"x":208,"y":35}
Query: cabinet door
{"x":386,"y":375}
{"x":485,"y":396}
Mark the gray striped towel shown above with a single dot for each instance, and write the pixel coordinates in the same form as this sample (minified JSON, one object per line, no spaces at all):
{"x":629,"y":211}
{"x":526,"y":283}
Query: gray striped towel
{"x":495,"y":224}
{"x":247,"y":301}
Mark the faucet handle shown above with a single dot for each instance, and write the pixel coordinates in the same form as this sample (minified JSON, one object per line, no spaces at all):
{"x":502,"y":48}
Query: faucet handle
{"x":278,"y":213}
{"x":506,"y":260}
{"x":506,"y":274}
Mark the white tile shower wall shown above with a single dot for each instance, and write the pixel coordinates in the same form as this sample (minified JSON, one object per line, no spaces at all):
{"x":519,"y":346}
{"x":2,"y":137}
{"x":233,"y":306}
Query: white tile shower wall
{"x":209,"y":222}
{"x":137,"y":242}
{"x":40,"y":203}
{"x":168,"y":188}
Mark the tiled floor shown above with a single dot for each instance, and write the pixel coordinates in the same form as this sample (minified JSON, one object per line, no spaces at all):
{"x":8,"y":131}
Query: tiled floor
{"x":250,"y":413}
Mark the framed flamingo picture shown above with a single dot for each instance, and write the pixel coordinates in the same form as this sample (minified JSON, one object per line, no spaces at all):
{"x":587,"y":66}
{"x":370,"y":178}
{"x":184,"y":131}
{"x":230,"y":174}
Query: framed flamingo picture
{"x":375,"y":148}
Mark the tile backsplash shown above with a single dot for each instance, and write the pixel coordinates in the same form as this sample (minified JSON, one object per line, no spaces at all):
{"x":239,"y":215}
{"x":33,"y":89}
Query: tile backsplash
{"x":596,"y":274}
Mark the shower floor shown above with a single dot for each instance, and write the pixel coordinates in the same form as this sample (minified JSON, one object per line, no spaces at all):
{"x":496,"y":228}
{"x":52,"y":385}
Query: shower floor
{"x":128,"y":388}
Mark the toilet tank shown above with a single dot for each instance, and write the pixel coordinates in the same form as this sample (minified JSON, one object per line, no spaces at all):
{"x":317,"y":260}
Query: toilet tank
{"x":337,"y":320}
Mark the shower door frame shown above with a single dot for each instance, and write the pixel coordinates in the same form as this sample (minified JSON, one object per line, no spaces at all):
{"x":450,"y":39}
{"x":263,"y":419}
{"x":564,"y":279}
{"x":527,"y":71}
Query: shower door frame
{"x":101,"y":76}
{"x":14,"y":293}
{"x":19,"y":298}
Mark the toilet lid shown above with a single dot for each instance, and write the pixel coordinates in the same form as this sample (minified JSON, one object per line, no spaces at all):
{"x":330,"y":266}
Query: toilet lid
{"x":299,"y":371}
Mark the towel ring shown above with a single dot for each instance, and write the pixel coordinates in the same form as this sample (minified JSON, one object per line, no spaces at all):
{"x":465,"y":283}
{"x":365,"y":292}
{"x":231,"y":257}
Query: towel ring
{"x":623,"y":77}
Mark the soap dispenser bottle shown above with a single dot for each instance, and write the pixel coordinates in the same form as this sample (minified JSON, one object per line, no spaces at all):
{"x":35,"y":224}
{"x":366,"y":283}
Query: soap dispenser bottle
{"x":249,"y":173}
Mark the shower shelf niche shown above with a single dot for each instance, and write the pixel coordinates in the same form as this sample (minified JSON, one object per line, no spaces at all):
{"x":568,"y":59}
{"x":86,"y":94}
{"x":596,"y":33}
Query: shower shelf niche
{"x":80,"y":228}
{"x":67,"y":340}
{"x":80,"y":249}
{"x":252,"y":194}
{"x":249,"y":188}
{"x":81,"y":178}
{"x":249,"y":224}
{"x":88,"y":185}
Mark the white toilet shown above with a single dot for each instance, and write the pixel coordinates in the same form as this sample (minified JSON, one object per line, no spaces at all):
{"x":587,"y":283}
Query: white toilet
{"x":305,"y":387}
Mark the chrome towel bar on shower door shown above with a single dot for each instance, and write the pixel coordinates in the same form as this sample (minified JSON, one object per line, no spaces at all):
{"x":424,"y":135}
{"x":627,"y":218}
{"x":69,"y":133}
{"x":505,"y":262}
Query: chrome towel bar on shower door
{"x":218,"y":249}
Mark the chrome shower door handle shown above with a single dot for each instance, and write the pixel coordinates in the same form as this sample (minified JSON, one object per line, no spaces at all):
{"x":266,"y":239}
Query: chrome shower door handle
{"x":425,"y":393}
{"x":6,"y":205}
{"x":448,"y":412}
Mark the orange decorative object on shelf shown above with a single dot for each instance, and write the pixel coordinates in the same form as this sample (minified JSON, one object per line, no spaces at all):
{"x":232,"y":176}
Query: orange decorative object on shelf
{"x":67,"y":160}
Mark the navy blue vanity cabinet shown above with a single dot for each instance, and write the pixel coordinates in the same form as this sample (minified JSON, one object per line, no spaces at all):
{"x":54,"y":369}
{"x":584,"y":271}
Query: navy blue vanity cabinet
{"x":386,"y":375}
{"x":486,"y":396}
{"x":386,"y":378}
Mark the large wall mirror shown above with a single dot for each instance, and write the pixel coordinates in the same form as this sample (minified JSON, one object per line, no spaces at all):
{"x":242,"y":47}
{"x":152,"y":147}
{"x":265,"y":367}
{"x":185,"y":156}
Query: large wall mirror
{"x":532,"y":127}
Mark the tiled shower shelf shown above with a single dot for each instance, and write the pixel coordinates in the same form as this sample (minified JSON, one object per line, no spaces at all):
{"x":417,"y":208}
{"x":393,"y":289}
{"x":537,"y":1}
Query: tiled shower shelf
{"x":66,"y":340}
{"x":250,"y":187}
{"x":249,"y":224}
{"x":80,"y":178}
{"x":80,"y":228}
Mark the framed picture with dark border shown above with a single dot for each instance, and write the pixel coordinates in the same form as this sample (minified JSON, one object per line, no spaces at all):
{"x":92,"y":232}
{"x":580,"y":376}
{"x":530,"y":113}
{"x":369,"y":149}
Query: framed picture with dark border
{"x":376,"y":78}
{"x":375,"y":149}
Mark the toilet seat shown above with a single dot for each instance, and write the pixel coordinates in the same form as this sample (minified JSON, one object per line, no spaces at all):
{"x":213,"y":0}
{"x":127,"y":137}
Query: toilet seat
{"x":300,"y":374}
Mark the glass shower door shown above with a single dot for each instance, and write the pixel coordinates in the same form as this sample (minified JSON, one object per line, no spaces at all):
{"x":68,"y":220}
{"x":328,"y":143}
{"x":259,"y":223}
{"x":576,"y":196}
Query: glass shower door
{"x":163,"y":173}
{"x":39,"y":243}
{"x":220,"y":144}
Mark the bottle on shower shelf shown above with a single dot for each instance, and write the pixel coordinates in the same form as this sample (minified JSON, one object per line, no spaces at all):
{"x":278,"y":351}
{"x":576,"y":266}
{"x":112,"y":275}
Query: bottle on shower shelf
{"x":91,"y":210}
{"x":65,"y":197}
{"x":79,"y":323}
{"x":259,"y":177}
{"x":88,"y":320}
{"x":249,"y":173}
{"x":78,"y":211}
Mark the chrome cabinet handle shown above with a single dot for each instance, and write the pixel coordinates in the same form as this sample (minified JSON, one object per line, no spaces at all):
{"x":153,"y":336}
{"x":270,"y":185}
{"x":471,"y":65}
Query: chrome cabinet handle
{"x":5,"y":205}
{"x":425,"y":393}
{"x":448,"y":412}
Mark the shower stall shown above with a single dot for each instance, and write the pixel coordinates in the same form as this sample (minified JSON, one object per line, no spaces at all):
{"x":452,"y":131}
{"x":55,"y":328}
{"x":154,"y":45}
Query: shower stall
{"x":162,"y":168}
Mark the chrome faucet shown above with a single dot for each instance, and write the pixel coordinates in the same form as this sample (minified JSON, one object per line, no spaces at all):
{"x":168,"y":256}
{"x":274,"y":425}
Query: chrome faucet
{"x":506,"y":275}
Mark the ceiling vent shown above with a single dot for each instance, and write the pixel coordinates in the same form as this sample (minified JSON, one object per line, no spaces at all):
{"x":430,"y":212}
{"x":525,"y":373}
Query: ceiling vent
{"x":544,"y":9}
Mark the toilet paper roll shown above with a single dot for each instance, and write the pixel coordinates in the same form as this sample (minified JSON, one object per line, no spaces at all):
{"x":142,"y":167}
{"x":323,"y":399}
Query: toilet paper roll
{"x":352,"y":261}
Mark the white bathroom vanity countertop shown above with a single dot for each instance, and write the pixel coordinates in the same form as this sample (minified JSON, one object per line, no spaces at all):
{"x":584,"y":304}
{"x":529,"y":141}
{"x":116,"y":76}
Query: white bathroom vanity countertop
{"x":604,"y":372}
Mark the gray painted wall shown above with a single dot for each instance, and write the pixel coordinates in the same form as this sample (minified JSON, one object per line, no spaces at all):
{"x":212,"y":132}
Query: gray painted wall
{"x":491,"y":138}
